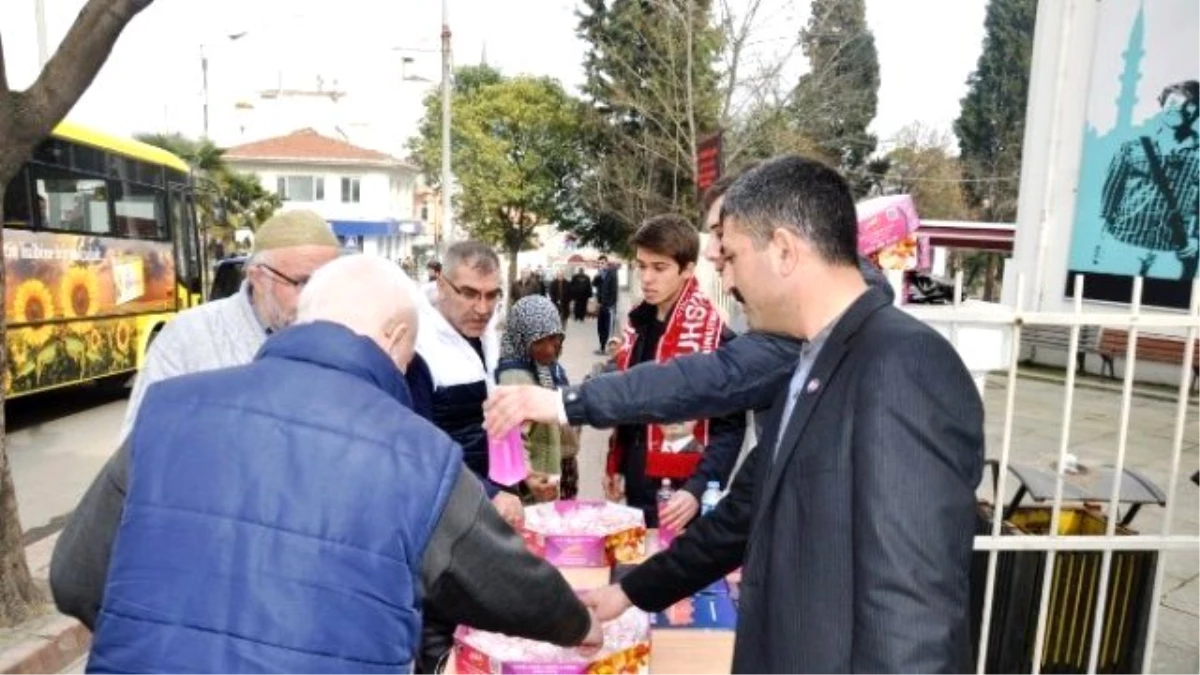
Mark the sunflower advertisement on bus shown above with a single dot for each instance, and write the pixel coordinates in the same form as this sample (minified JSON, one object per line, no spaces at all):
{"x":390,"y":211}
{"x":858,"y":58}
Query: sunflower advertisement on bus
{"x":72,"y":302}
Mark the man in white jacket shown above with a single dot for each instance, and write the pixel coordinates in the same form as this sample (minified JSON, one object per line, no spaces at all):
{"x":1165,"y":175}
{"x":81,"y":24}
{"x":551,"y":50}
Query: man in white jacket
{"x":288,"y":248}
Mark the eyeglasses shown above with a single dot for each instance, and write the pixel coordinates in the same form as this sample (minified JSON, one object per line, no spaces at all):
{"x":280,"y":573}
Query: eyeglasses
{"x":475,"y":295}
{"x":298,"y":284}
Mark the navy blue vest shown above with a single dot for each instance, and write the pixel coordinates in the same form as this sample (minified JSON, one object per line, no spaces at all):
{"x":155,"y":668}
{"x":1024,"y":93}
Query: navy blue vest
{"x":277,"y":516}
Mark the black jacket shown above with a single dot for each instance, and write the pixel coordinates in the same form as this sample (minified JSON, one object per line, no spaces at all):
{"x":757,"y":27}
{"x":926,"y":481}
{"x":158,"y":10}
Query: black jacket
{"x":855,"y":540}
{"x":458,"y":411}
{"x":607,"y":287}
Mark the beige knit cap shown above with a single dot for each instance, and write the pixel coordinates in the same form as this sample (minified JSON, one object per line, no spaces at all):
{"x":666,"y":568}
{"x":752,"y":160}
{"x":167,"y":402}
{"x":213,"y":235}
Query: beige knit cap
{"x":294,"y":228}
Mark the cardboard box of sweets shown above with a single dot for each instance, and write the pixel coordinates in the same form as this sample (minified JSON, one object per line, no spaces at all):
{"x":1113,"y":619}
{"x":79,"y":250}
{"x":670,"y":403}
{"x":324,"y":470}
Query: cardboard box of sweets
{"x":712,"y":608}
{"x":626,"y":650}
{"x":585,"y":533}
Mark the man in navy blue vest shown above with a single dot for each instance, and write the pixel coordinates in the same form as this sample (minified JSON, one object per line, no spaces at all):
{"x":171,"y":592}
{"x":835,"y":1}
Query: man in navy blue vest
{"x":291,"y":515}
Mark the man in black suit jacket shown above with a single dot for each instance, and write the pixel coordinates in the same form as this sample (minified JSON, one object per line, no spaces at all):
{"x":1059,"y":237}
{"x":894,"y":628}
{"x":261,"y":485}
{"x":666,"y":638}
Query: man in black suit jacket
{"x":854,"y":517}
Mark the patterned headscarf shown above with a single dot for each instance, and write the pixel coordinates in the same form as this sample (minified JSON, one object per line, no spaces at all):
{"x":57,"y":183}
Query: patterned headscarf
{"x":532,"y":318}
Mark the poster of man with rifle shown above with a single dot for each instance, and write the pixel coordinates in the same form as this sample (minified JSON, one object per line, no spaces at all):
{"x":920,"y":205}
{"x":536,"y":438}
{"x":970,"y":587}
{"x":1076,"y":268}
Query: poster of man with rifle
{"x":1139,"y":188}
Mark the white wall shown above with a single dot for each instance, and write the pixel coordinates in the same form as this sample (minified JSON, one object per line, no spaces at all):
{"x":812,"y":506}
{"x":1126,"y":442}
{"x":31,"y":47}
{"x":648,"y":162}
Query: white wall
{"x":383,"y":193}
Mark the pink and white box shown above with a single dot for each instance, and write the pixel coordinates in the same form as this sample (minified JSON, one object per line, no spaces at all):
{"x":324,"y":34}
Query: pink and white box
{"x":585,"y":533}
{"x":626,"y":649}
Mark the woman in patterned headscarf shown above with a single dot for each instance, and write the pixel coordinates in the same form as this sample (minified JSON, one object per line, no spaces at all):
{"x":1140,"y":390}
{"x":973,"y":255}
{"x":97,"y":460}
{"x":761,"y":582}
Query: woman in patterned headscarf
{"x":529,"y":354}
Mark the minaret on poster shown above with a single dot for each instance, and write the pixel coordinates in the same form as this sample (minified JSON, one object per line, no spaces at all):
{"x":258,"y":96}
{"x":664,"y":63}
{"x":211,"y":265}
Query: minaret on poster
{"x":1135,"y":50}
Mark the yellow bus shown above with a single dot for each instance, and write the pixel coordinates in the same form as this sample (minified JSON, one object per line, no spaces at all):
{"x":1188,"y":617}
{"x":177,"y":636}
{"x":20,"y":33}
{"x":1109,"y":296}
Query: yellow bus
{"x":101,"y":249}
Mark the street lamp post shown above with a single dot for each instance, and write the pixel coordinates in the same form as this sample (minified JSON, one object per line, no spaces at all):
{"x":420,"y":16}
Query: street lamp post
{"x":447,"y":217}
{"x":232,"y":37}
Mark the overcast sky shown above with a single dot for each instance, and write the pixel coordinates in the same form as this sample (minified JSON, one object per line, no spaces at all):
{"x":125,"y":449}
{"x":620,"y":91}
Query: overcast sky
{"x":152,"y":82}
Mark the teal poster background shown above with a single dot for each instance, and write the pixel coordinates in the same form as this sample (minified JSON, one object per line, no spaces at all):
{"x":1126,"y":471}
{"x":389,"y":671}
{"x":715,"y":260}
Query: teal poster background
{"x":1143,"y":83}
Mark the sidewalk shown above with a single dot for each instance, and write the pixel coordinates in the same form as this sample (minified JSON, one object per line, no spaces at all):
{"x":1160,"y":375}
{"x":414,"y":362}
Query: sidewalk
{"x":49,"y":642}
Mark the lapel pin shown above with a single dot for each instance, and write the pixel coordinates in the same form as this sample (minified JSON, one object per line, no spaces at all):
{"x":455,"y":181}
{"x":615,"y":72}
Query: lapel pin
{"x":813,"y":386}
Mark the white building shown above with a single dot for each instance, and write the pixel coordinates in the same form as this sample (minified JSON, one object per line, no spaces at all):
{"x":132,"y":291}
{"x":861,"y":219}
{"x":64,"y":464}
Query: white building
{"x":367,"y":196}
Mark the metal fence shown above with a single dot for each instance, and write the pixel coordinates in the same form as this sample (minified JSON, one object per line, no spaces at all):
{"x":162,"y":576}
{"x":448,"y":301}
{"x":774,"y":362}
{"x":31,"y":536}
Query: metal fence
{"x":1090,"y":586}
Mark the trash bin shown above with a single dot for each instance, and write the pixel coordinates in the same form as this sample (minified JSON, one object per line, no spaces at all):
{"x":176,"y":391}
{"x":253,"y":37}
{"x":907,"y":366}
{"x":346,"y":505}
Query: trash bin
{"x":1074,"y":579}
{"x":1014,"y":601}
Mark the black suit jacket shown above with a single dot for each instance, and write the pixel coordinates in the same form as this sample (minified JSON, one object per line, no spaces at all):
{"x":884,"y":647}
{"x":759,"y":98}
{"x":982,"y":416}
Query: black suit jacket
{"x":856,"y":539}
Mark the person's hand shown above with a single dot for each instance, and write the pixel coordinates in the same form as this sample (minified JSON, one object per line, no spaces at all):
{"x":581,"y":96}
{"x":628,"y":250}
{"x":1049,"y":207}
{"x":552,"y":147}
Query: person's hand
{"x":511,"y":405}
{"x":607,"y":603}
{"x":680,"y":511}
{"x":510,"y":508}
{"x":595,"y":634}
{"x":614,"y":487}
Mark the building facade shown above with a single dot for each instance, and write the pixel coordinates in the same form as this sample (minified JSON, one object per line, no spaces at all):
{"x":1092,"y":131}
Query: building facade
{"x":368,"y":197}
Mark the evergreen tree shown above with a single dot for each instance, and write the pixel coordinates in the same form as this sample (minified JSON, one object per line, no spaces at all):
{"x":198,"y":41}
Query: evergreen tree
{"x":991,"y":126}
{"x":836,"y":100}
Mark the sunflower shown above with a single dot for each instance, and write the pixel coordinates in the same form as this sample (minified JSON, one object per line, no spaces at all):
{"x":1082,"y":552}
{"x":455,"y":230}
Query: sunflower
{"x":79,"y":296}
{"x":95,"y":341}
{"x":34,"y":304}
{"x":124,"y":337}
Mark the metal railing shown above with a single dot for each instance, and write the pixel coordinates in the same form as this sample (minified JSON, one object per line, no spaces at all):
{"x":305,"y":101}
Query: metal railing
{"x":1054,"y":543}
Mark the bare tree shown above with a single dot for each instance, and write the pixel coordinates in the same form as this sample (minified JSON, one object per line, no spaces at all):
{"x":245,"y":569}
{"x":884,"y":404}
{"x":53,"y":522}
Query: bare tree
{"x":26,"y":118}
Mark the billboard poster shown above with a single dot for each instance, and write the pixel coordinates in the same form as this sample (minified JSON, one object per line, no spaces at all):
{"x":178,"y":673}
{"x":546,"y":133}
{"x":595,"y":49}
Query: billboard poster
{"x":71,"y":303}
{"x":708,"y":162}
{"x":1139,"y":181}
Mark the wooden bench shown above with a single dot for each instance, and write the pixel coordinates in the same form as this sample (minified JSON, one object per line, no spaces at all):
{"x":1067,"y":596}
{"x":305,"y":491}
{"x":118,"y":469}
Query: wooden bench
{"x":1059,"y":337}
{"x":1153,"y":348}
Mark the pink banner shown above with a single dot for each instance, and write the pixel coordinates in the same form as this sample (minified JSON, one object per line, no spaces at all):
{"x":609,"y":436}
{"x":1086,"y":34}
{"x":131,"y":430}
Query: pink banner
{"x":884,"y":221}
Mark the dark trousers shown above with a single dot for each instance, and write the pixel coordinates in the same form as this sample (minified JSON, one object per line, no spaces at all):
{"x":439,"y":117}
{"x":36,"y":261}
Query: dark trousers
{"x":581,"y":309}
{"x":604,"y":327}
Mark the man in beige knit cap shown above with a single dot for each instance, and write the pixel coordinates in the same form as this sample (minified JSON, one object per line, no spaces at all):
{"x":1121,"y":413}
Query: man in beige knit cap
{"x":288,"y":248}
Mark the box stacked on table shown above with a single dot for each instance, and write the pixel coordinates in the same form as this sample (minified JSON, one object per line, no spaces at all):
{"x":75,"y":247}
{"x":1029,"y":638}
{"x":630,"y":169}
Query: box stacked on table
{"x":712,"y":608}
{"x":626,"y":650}
{"x":585,"y":533}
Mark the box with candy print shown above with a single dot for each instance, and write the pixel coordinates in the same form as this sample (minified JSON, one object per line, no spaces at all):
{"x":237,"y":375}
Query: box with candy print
{"x":626,"y":649}
{"x":585,"y":533}
{"x":710,"y":611}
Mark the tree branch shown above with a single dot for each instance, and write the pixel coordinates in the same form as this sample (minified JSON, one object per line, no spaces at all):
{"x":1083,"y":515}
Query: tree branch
{"x":72,"y":69}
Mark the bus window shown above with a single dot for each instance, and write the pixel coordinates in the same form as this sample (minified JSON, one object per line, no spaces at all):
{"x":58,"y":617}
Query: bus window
{"x":16,"y":203}
{"x":73,"y":204}
{"x":139,"y":211}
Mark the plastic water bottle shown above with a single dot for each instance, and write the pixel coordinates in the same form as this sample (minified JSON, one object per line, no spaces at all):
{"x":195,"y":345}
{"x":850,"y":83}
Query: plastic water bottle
{"x":712,"y":495}
{"x":666,"y":534}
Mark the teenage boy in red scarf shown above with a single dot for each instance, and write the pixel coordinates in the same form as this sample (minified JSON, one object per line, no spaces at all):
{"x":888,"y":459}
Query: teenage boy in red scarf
{"x":674,"y":319}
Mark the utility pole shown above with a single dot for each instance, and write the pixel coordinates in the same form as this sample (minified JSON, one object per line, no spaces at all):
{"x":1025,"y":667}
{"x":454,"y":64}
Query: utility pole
{"x":447,"y":216}
{"x":39,"y":10}
{"x":204,"y":76}
{"x":232,"y":37}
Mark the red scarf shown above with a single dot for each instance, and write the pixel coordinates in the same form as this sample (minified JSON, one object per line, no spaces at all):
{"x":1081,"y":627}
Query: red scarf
{"x":694,"y":327}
